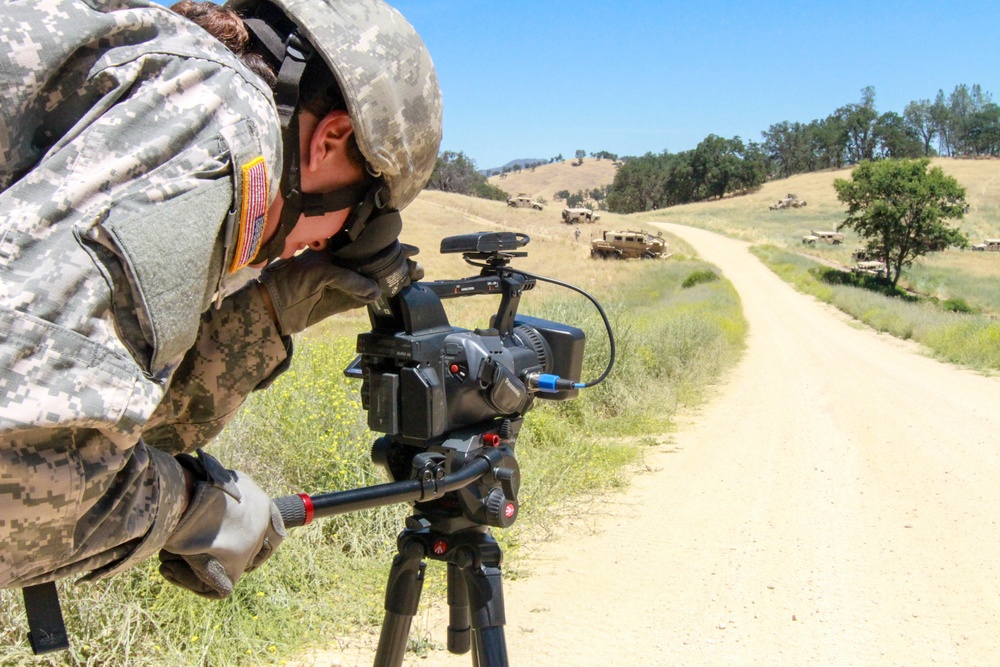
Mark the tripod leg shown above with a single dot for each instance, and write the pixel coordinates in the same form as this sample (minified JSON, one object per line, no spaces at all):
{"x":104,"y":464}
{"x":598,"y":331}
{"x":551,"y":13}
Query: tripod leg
{"x":402,"y":595}
{"x":485,"y":590}
{"x":459,"y":629}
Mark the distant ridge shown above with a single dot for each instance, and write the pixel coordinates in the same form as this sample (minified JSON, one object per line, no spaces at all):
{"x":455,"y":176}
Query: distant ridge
{"x":510,"y":165}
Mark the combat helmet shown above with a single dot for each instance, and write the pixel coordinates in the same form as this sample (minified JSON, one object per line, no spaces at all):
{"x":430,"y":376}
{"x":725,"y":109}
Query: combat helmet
{"x":389,"y":84}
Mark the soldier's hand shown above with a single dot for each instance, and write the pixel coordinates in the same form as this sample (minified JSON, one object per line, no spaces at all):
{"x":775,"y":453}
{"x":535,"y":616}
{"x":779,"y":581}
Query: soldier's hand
{"x":230,"y":527}
{"x":308,"y":288}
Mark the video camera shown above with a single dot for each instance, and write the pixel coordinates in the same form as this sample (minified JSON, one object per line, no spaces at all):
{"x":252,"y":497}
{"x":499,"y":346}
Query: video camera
{"x":424,"y":377}
{"x":428,"y":385}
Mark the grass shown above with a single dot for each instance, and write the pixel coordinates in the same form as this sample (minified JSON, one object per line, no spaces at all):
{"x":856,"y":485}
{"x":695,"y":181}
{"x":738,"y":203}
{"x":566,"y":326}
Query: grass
{"x":307,"y":432}
{"x":950,"y":329}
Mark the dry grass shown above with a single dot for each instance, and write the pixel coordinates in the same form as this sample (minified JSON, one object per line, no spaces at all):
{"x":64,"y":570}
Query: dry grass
{"x":553,"y":251}
{"x":548,"y":179}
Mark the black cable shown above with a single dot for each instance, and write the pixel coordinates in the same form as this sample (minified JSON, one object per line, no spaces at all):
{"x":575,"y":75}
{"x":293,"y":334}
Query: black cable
{"x":607,"y":324}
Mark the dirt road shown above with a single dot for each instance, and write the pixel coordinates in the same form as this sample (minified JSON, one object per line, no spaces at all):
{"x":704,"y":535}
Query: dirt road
{"x":835,"y":503}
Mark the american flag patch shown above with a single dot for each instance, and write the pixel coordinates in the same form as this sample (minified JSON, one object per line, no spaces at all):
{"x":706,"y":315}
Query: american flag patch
{"x":253,"y":213}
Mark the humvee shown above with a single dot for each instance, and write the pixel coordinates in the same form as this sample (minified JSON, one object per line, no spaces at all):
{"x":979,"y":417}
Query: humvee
{"x":832,"y":238}
{"x":989,"y":245}
{"x":791,"y":201}
{"x":628,"y":245}
{"x":871,"y":268}
{"x":574,"y":215}
{"x":522,"y":201}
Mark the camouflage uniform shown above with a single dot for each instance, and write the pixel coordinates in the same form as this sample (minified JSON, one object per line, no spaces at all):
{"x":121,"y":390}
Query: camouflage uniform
{"x":125,"y":137}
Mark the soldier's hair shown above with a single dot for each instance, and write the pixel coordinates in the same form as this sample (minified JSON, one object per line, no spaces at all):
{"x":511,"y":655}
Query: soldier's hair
{"x":227,"y":27}
{"x":318,"y":90}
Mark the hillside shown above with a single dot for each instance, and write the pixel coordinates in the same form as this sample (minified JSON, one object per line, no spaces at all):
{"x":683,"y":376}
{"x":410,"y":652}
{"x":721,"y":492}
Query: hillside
{"x":748,"y":217}
{"x":547,"y":179}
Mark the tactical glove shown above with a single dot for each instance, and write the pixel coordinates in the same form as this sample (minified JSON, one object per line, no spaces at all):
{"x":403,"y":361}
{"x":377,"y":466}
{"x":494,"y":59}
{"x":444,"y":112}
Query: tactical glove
{"x":230,"y":527}
{"x":308,"y":288}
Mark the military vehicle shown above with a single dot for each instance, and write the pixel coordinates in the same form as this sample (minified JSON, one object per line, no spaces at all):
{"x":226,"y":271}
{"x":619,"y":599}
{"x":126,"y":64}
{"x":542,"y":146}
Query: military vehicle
{"x":871,"y":268}
{"x":522,"y":201}
{"x":628,"y":244}
{"x":791,"y":201}
{"x":831,"y":238}
{"x":989,"y":245}
{"x":575,"y":215}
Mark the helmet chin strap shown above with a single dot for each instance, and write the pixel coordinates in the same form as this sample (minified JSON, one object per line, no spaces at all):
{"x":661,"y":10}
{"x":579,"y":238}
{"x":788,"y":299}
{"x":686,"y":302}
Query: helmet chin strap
{"x":297,"y":204}
{"x":293,"y":52}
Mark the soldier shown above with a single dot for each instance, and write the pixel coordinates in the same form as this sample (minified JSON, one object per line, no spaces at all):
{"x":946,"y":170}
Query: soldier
{"x":155,"y":195}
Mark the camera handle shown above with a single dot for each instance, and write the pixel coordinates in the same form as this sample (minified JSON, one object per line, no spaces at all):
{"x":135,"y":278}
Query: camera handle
{"x":300,"y":509}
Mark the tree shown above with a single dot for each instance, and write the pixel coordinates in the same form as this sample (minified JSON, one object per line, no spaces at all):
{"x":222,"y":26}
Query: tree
{"x":895,"y":138}
{"x":899,"y":208}
{"x":575,"y":200}
{"x":456,"y":172}
{"x":981,"y":131}
{"x":941,"y":118}
{"x":829,"y":139}
{"x":859,"y":122}
{"x":918,"y":118}
{"x":789,"y":149}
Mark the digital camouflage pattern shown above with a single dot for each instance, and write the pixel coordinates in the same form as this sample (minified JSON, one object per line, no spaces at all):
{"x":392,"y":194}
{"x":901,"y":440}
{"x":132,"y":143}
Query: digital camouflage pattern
{"x":123,"y":129}
{"x":396,"y":112}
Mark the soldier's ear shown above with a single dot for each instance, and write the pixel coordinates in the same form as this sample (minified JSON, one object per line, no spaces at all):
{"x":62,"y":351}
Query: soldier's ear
{"x":328,"y":143}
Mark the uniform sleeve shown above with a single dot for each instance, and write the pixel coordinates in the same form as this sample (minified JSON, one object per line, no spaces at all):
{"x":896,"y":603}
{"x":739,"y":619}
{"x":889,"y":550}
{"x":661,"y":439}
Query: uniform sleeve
{"x":79,"y":489}
{"x":238,"y":350}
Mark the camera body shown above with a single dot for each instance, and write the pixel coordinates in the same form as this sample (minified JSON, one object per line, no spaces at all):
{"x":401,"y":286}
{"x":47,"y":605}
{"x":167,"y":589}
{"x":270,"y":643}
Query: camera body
{"x":424,"y":379}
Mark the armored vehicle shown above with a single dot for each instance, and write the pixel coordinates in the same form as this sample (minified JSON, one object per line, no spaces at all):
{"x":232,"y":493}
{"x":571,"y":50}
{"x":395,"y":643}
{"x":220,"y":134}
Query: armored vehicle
{"x":791,"y":201}
{"x":574,"y":215}
{"x":522,"y":201}
{"x":814,"y":237}
{"x":628,"y":245}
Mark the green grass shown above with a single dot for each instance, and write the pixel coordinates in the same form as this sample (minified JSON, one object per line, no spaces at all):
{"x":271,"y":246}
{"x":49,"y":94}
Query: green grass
{"x":966,"y":276}
{"x":307,"y":433}
{"x":951,"y":329}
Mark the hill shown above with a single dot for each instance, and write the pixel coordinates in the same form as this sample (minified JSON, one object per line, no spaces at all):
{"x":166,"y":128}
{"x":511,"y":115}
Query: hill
{"x":513,"y":163}
{"x":748,"y":217}
{"x":548,"y":179}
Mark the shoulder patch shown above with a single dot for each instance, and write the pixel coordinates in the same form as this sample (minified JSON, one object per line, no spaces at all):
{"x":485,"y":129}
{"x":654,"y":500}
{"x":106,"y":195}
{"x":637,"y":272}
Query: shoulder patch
{"x":253,"y":212}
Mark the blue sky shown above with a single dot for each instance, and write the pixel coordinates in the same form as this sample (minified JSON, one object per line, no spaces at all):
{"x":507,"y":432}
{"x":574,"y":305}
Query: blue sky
{"x":535,"y":79}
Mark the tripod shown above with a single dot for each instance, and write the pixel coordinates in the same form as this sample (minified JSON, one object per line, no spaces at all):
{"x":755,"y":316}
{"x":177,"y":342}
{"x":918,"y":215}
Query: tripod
{"x":475,"y":594}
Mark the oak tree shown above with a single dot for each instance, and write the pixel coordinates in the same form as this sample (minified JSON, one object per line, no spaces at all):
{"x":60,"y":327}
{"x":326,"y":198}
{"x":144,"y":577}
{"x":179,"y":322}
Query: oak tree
{"x":900,"y":209}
